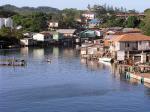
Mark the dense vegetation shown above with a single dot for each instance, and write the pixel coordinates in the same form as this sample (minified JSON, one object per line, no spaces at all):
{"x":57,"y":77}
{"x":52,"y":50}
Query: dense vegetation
{"x":145,"y":24}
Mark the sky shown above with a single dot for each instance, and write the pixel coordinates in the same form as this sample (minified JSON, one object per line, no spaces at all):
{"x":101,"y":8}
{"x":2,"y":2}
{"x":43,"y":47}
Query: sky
{"x":139,"y":5}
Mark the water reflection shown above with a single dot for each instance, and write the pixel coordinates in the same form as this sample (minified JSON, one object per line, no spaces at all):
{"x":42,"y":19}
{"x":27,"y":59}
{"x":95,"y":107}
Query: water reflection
{"x":113,"y":68}
{"x":94,"y":65}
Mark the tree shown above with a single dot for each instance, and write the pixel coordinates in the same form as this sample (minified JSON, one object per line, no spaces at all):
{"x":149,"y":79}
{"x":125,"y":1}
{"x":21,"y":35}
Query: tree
{"x":5,"y":32}
{"x":9,"y":35}
{"x":6,"y":14}
{"x":39,"y":22}
{"x":132,"y":22}
{"x":146,"y":23}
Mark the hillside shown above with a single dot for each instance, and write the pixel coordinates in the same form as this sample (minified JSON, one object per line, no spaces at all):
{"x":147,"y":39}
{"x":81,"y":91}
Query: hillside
{"x":28,"y":10}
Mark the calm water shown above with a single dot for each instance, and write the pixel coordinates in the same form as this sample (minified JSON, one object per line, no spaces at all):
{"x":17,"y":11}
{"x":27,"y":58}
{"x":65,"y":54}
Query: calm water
{"x":68,"y":84}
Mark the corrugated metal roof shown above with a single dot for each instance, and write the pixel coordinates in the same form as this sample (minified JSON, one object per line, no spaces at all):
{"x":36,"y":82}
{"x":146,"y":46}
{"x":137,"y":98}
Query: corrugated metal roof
{"x":68,"y":31}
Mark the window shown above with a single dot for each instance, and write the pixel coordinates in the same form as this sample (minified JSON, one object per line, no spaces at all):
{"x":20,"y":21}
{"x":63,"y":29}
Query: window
{"x":127,"y":45}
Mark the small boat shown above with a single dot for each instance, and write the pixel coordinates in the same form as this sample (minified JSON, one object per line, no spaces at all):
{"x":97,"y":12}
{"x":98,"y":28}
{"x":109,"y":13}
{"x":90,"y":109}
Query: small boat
{"x":48,"y":60}
{"x":105,"y":59}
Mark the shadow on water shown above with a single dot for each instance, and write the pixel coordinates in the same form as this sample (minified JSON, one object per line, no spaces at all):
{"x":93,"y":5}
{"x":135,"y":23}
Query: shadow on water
{"x":52,"y":92}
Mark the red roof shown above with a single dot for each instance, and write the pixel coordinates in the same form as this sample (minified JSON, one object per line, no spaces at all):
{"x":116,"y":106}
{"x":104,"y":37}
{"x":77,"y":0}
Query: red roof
{"x":130,"y":37}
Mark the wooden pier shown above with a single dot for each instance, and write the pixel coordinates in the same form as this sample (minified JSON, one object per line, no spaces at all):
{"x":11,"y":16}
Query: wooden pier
{"x":13,"y":62}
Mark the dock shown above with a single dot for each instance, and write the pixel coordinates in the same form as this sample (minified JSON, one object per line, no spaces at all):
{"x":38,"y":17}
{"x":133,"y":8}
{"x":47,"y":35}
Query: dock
{"x":142,"y":77}
{"x":13,"y":62}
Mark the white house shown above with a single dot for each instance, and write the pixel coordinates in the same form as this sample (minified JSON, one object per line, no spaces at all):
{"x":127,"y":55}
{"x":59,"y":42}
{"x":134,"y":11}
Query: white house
{"x":7,"y":22}
{"x":27,"y":42}
{"x":2,"y":22}
{"x":88,"y":15}
{"x":53,"y":24}
{"x":42,"y":37}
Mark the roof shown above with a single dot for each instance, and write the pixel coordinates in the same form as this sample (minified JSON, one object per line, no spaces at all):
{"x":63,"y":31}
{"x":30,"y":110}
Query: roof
{"x":46,"y":33}
{"x":130,"y":38}
{"x":94,"y":21}
{"x":132,"y":30}
{"x":115,"y":28}
{"x":68,"y":31}
{"x":88,"y":12}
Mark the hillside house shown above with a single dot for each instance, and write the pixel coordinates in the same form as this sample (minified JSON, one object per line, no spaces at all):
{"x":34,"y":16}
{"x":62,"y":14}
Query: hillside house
{"x":88,"y":15}
{"x":53,"y":24}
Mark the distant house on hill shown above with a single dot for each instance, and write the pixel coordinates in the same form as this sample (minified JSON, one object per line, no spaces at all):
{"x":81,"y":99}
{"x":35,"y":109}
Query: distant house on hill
{"x":53,"y":24}
{"x":126,"y":15}
{"x":6,"y":22}
{"x":94,"y":23}
{"x":88,"y":15}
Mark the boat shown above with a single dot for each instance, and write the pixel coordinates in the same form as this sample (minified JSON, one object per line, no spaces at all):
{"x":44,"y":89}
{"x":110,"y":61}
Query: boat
{"x":105,"y":59}
{"x":12,"y":62}
{"x":48,"y":60}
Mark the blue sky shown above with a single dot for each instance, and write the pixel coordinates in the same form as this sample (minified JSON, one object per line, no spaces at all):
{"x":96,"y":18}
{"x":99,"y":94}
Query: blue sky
{"x":139,"y":5}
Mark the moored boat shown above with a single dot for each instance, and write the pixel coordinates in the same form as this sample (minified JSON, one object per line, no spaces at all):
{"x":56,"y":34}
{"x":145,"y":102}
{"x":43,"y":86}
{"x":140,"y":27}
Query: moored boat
{"x":105,"y":59}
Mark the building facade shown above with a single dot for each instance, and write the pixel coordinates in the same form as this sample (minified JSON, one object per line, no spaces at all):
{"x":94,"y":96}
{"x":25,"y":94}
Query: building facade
{"x":6,"y":22}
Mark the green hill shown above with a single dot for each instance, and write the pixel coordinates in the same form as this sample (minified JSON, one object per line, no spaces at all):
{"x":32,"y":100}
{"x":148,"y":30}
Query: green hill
{"x":28,"y":10}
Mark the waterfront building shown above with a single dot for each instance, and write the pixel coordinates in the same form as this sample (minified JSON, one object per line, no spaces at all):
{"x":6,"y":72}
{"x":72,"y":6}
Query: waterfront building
{"x":27,"y":42}
{"x":130,"y":44}
{"x":43,"y":37}
{"x":91,"y":35}
{"x":67,"y":32}
{"x":57,"y":36}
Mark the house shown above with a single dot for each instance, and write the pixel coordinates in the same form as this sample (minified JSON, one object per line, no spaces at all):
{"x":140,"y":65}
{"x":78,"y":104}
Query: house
{"x":130,"y":44}
{"x":27,"y":42}
{"x":2,"y":22}
{"x":57,"y":36}
{"x":131,"y":30}
{"x":87,"y":35}
{"x":67,"y":33}
{"x":88,"y":15}
{"x":90,"y":34}
{"x":126,"y":15}
{"x":114,"y":30}
{"x":6,"y":22}
{"x":53,"y":24}
{"x":43,"y":37}
{"x":94,"y":23}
